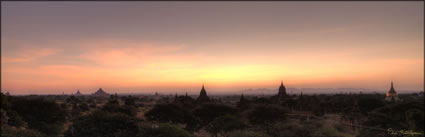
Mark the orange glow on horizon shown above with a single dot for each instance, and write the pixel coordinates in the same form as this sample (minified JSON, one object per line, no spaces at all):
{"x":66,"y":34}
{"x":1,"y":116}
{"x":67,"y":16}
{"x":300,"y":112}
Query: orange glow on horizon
{"x":227,"y":47}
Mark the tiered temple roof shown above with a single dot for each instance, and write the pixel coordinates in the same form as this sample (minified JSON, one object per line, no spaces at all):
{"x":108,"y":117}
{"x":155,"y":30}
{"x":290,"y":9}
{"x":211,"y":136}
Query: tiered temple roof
{"x":203,"y":98}
{"x":282,"y":90}
{"x":100,"y":92}
{"x":392,"y":94}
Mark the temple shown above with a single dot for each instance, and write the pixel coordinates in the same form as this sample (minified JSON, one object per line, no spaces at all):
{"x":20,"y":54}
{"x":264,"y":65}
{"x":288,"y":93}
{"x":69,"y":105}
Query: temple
{"x":78,"y":93}
{"x":391,"y":94}
{"x":101,"y":93}
{"x":203,"y":98}
{"x":281,"y":96}
{"x":282,"y":90}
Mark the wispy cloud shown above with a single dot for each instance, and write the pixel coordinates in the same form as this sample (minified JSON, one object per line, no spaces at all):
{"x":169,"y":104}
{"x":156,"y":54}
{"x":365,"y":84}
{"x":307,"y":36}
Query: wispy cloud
{"x":116,"y":53}
{"x":28,"y":55}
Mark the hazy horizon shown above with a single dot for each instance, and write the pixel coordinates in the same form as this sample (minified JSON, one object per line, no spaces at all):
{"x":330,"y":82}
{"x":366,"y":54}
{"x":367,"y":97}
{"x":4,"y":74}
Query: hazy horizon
{"x":51,"y":47}
{"x":249,"y":91}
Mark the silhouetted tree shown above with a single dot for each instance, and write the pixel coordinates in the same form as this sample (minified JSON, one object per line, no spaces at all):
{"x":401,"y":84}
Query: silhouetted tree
{"x":172,"y":113}
{"x":8,"y":131}
{"x":75,"y":112}
{"x":266,"y":115}
{"x":91,"y":102}
{"x":243,"y":103}
{"x":393,"y":116}
{"x":83,"y":107}
{"x":262,"y":100}
{"x":317,"y":106}
{"x":73,"y":100}
{"x":44,"y":116}
{"x":103,"y":124}
{"x":208,"y":112}
{"x":415,"y":119}
{"x":4,"y":101}
{"x":246,"y":133}
{"x":224,"y":124}
{"x":130,"y":101}
{"x":13,"y":118}
{"x":368,"y":104}
{"x":164,"y":130}
{"x":113,"y":106}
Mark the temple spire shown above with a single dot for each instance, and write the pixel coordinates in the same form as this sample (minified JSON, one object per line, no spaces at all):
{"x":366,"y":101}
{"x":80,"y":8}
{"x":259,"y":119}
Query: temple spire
{"x":203,"y":95}
{"x":282,"y":90}
{"x":392,"y":85}
{"x":392,"y":94}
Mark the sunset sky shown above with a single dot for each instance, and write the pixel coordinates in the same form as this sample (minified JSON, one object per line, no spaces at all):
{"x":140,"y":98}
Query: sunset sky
{"x":55,"y":47}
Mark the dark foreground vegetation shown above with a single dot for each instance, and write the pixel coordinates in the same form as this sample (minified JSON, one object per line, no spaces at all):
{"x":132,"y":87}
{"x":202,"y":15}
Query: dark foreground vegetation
{"x":229,"y":116}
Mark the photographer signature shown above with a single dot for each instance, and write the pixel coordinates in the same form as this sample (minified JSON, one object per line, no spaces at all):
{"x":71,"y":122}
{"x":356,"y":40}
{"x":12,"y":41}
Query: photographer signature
{"x":402,"y":132}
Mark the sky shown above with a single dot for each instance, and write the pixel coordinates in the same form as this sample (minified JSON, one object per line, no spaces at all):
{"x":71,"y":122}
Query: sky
{"x":138,"y":47}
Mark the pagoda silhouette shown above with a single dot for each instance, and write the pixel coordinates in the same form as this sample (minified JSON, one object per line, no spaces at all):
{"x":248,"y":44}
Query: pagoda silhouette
{"x":281,"y":96}
{"x":100,"y":93}
{"x":392,"y":94}
{"x":203,"y":98}
{"x":282,"y":91}
{"x":78,"y":93}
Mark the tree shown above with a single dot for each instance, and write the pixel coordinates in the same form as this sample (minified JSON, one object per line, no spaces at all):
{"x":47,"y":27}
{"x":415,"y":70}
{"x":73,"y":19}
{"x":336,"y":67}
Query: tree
{"x":415,"y":119}
{"x":64,"y":105}
{"x":4,"y":101}
{"x":246,"y":133}
{"x":368,"y":104}
{"x":76,"y":112}
{"x":8,"y":131}
{"x":208,"y":112}
{"x":112,"y":101}
{"x":317,"y":106}
{"x":262,"y":100}
{"x":224,"y":124}
{"x":266,"y":115}
{"x":103,"y":124}
{"x":298,"y":128}
{"x":42,"y":115}
{"x":92,"y":102}
{"x":73,"y":100}
{"x":164,"y":130}
{"x":83,"y":107}
{"x":396,"y":116}
{"x":243,"y":104}
{"x":113,"y":106}
{"x":174,"y":114}
{"x":15,"y":119}
{"x":129,"y":101}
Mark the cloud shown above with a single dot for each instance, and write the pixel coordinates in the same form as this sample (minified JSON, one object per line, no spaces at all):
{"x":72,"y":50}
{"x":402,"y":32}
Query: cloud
{"x":28,"y":55}
{"x":127,"y":53}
